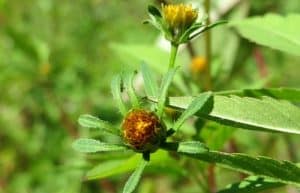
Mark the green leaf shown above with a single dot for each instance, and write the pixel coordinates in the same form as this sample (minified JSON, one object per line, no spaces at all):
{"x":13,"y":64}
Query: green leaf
{"x":113,"y":167}
{"x":90,"y":121}
{"x":135,"y":177}
{"x":128,"y":83}
{"x":116,"y":92}
{"x":196,"y":105}
{"x":277,"y":32}
{"x":166,"y":82}
{"x":251,"y":184}
{"x":279,"y":171}
{"x":154,"y":11}
{"x":264,"y":114}
{"x":192,"y":147}
{"x":207,"y":28}
{"x":216,"y":135}
{"x":85,"y":145}
{"x":150,"y":84}
{"x":290,"y":94}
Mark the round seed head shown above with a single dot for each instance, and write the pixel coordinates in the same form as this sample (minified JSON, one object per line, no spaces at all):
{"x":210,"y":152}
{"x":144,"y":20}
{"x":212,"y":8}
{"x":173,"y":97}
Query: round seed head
{"x":143,"y":131}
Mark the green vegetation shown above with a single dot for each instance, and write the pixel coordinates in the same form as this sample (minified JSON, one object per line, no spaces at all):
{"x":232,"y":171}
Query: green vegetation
{"x":219,"y":96}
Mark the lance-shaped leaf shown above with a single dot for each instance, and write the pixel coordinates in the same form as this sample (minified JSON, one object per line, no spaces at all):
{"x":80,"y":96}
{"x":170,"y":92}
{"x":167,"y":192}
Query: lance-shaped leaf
{"x":90,"y":121}
{"x":135,"y":177}
{"x":206,"y":28}
{"x":192,"y":147}
{"x":116,"y":92}
{"x":290,"y":94}
{"x":150,"y":84}
{"x":279,"y":171}
{"x":251,"y":184}
{"x":128,"y":83}
{"x":85,"y":145}
{"x":163,"y":92}
{"x":195,"y":106}
{"x":265,"y":114}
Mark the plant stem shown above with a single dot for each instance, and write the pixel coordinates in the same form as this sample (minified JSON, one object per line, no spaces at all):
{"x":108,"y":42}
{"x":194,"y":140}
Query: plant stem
{"x":174,"y":48}
{"x":208,"y":83}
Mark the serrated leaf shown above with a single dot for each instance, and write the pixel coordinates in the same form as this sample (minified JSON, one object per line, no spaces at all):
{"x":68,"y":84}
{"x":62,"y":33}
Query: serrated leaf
{"x":280,"y":171}
{"x":251,"y":184}
{"x":290,"y":94}
{"x":116,"y":92}
{"x":90,"y":121}
{"x":196,"y":105}
{"x":192,"y":147}
{"x":150,"y":84}
{"x":275,"y":31}
{"x":163,"y":91}
{"x":264,"y":114}
{"x":85,"y":145}
{"x":128,"y":83}
{"x":135,"y":177}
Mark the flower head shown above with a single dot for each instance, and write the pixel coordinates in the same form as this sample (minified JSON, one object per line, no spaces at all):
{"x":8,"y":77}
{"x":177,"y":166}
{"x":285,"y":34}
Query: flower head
{"x":143,"y":131}
{"x":198,"y":64}
{"x":179,"y":17}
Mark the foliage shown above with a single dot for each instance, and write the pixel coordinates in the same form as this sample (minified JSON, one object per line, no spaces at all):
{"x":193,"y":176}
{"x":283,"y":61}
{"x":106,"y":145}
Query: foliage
{"x":59,"y":58}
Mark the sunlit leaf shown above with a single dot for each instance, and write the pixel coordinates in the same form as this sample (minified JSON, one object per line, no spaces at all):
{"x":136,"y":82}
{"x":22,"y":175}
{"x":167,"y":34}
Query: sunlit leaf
{"x":275,"y":31}
{"x":265,"y":114}
{"x":290,"y":94}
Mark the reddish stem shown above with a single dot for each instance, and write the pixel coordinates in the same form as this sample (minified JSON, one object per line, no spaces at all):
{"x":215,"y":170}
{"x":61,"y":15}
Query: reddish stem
{"x":260,"y":62}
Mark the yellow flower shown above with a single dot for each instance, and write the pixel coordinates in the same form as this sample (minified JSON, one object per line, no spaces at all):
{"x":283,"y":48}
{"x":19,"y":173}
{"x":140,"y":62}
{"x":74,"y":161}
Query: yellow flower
{"x":179,"y":17}
{"x":198,"y":64}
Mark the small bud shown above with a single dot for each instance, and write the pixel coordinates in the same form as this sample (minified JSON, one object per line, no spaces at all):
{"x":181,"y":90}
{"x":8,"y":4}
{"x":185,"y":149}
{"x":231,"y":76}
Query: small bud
{"x":143,"y":131}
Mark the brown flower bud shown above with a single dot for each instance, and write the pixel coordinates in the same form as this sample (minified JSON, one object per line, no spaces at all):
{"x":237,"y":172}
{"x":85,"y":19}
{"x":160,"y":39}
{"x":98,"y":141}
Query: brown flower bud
{"x":143,"y":131}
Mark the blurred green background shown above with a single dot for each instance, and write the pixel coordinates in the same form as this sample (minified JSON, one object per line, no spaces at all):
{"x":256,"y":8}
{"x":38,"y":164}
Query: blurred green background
{"x":56,"y":61}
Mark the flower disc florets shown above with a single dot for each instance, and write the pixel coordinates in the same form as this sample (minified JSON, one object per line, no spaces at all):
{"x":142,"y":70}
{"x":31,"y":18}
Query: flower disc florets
{"x":143,"y":131}
{"x":179,"y":17}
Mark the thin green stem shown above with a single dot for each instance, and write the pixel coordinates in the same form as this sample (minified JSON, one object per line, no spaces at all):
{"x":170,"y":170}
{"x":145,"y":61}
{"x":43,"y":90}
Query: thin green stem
{"x":174,"y":48}
{"x":208,"y":83}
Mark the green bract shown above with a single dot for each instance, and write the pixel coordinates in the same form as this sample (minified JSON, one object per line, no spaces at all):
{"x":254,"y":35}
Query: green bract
{"x":182,"y":34}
